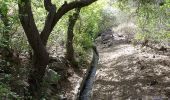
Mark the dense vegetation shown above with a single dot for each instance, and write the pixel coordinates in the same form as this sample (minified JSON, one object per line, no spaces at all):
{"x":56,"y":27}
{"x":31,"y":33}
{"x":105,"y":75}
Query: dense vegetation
{"x":152,"y":18}
{"x":31,"y":31}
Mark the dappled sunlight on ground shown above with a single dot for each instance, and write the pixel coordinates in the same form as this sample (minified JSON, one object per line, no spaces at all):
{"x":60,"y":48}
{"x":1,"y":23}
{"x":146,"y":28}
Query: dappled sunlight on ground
{"x":127,"y":72}
{"x":108,"y":55}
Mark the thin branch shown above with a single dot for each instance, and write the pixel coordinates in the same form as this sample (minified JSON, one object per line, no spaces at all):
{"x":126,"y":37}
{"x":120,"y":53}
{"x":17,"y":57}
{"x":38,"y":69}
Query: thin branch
{"x":47,"y":5}
{"x":69,"y":6}
{"x":61,"y":11}
{"x":49,"y":20}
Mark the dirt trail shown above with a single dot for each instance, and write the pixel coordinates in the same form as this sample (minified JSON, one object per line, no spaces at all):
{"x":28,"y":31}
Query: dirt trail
{"x":127,"y":72}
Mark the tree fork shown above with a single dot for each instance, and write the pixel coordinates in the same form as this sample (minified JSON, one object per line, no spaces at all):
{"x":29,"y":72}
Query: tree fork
{"x":38,"y":41}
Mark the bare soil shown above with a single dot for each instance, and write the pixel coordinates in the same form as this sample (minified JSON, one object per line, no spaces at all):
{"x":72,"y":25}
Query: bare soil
{"x":128,"y":72}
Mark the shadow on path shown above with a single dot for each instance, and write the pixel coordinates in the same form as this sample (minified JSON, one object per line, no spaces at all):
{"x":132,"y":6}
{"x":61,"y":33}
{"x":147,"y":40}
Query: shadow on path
{"x":126,"y":72}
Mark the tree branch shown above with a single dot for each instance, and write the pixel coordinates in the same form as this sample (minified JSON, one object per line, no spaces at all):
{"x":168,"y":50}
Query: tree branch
{"x":61,"y":11}
{"x":49,"y":20}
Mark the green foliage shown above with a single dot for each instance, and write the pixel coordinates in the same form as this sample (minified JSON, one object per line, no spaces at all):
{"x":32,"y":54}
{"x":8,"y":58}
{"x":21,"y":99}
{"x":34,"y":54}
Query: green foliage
{"x":8,"y":23}
{"x":87,"y":27}
{"x":6,"y":93}
{"x":153,"y":21}
{"x":85,"y":33}
{"x":20,"y":43}
{"x":152,"y":18}
{"x":3,"y":42}
{"x":39,"y":13}
{"x":51,"y":77}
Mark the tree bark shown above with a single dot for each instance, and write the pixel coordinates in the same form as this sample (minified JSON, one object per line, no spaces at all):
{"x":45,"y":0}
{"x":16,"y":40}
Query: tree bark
{"x":40,"y":56}
{"x":70,"y":34}
{"x":38,"y":41}
{"x":36,"y":78}
{"x":66,"y":7}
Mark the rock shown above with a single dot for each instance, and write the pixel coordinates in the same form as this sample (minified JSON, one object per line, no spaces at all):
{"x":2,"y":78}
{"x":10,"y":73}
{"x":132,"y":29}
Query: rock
{"x":107,"y":37}
{"x":167,"y":93}
{"x":61,"y":97}
{"x":142,"y":67}
{"x":154,"y":82}
{"x":120,"y":35}
{"x":58,"y":97}
{"x":51,"y":76}
{"x":163,"y":49}
{"x":110,"y":44}
{"x":61,"y":66}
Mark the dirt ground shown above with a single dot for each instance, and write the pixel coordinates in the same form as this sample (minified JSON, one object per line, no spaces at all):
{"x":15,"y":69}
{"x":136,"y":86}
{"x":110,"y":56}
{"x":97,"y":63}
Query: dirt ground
{"x":128,"y":72}
{"x":125,"y":72}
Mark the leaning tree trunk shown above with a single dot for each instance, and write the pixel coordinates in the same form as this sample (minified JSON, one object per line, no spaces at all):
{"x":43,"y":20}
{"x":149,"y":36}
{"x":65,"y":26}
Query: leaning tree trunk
{"x":70,"y":34}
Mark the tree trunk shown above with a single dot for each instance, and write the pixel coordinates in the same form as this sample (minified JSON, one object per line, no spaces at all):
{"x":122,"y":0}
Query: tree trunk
{"x":38,"y":40}
{"x":70,"y":34}
{"x":40,"y":57}
{"x":36,"y":77}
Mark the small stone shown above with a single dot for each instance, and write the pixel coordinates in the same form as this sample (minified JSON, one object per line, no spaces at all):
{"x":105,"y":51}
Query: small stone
{"x":154,"y":82}
{"x":62,"y":97}
{"x":142,"y":68}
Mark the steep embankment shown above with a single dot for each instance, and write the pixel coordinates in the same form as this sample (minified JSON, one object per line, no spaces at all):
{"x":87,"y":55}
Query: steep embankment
{"x":131,"y":72}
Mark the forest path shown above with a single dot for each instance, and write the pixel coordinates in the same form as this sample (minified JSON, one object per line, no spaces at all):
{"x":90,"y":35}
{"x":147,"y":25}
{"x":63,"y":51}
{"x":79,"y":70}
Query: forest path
{"x":128,"y":72}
